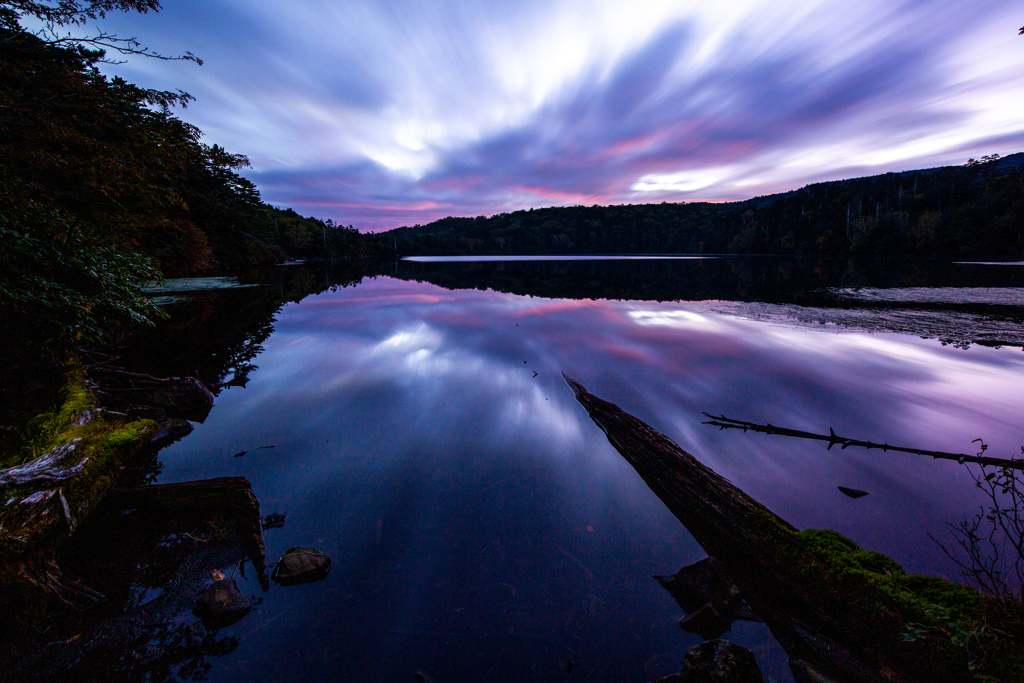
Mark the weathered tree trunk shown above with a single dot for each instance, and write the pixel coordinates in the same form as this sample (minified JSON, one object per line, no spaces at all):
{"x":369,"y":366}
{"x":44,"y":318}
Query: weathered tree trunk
{"x":828,"y":616}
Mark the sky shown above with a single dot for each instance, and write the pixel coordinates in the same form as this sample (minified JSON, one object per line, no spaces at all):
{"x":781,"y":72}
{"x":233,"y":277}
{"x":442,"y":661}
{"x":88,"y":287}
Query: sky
{"x":382,"y":114}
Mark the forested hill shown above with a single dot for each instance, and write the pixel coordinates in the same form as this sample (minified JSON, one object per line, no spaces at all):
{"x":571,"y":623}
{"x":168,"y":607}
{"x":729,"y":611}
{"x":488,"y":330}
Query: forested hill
{"x":974,"y":211}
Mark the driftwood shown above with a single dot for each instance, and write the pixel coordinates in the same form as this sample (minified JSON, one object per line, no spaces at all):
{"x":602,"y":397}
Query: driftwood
{"x":57,"y":464}
{"x":130,"y":523}
{"x":827,"y":611}
{"x":136,"y":377}
{"x":172,"y":537}
{"x":833,"y":439}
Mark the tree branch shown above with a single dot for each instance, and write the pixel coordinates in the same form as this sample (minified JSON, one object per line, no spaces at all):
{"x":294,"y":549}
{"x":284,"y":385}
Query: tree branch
{"x":833,"y":439}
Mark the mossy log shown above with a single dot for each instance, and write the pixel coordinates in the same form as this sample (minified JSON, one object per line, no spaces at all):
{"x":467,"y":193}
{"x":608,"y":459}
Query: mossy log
{"x":838,"y":610}
{"x":74,"y":458}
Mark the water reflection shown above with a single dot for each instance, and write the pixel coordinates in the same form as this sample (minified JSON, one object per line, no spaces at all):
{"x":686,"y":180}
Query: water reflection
{"x":481,"y":527}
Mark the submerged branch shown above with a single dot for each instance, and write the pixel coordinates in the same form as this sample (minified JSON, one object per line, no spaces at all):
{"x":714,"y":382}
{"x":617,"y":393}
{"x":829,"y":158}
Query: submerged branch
{"x":834,"y":439}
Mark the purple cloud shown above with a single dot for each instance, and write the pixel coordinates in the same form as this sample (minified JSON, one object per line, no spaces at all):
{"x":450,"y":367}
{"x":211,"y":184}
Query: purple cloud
{"x":382,"y":117}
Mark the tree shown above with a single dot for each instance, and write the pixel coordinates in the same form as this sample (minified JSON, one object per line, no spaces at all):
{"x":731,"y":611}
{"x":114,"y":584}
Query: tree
{"x":102,"y":188}
{"x":55,"y":16}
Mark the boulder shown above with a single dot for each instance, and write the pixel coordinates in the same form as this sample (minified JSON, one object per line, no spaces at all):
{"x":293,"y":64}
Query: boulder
{"x":222,"y":604}
{"x":708,"y":596}
{"x":717,"y":661}
{"x":183,"y":397}
{"x":301,"y":565}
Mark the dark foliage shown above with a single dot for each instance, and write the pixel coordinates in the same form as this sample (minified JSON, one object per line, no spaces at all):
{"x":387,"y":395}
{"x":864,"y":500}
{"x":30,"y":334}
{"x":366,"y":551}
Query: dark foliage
{"x":312,"y":238}
{"x":103,"y":188}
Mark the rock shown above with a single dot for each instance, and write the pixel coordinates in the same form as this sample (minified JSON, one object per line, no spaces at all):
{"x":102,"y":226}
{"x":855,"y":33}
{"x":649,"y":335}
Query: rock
{"x":696,"y":584}
{"x":805,"y":672}
{"x":711,"y":620}
{"x":717,"y":661}
{"x":301,"y":565}
{"x":708,"y":596}
{"x":171,"y":431}
{"x":222,"y":604}
{"x":147,"y":413}
{"x":852,"y":493}
{"x":182,"y":397}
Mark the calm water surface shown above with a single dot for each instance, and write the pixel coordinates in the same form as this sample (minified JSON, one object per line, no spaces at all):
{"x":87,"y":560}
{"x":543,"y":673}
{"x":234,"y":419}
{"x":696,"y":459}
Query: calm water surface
{"x":482,"y":528}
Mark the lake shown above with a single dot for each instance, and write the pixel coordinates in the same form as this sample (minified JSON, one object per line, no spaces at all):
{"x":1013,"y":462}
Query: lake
{"x":481,"y":526}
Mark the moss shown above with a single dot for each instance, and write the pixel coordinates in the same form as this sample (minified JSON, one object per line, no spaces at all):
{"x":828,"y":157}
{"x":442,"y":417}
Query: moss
{"x":50,"y":429}
{"x":932,"y":622}
{"x":839,"y":558}
{"x":942,"y":621}
{"x":103,"y":444}
{"x":128,"y":433}
{"x":834,"y":543}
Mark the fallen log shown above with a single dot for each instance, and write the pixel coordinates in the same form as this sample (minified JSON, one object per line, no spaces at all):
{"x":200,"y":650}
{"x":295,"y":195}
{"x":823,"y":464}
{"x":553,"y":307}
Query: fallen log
{"x":77,"y":455}
{"x":226,"y":504}
{"x":840,"y":612}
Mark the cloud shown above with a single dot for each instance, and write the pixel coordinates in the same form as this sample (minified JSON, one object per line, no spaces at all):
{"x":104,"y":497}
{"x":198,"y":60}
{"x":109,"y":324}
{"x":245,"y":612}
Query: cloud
{"x":388,"y":115}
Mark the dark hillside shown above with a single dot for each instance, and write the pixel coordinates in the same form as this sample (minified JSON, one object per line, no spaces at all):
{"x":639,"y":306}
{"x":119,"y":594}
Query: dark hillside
{"x":974,"y":211}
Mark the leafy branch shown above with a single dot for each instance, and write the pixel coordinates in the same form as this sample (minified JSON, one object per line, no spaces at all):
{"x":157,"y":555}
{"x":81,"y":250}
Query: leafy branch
{"x":107,"y":41}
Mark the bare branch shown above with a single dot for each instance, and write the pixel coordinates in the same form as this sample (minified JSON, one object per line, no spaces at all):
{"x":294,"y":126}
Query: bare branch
{"x":834,"y":439}
{"x":107,"y":41}
{"x":989,"y":547}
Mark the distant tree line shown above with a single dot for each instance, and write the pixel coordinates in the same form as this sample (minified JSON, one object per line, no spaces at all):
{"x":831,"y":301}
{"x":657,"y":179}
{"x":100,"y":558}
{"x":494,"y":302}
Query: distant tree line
{"x":103,"y":188}
{"x":301,"y":237}
{"x":956,"y":212}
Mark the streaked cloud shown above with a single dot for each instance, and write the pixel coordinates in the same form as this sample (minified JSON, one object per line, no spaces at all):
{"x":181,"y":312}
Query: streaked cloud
{"x":382,"y":115}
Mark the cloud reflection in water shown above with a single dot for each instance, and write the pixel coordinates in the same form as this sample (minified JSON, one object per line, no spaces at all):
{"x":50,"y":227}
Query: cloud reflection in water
{"x":455,"y":489}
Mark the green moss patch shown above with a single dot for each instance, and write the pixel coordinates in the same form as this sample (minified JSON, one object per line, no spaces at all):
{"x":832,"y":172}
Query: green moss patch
{"x":943,"y":623}
{"x":101,"y":446}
